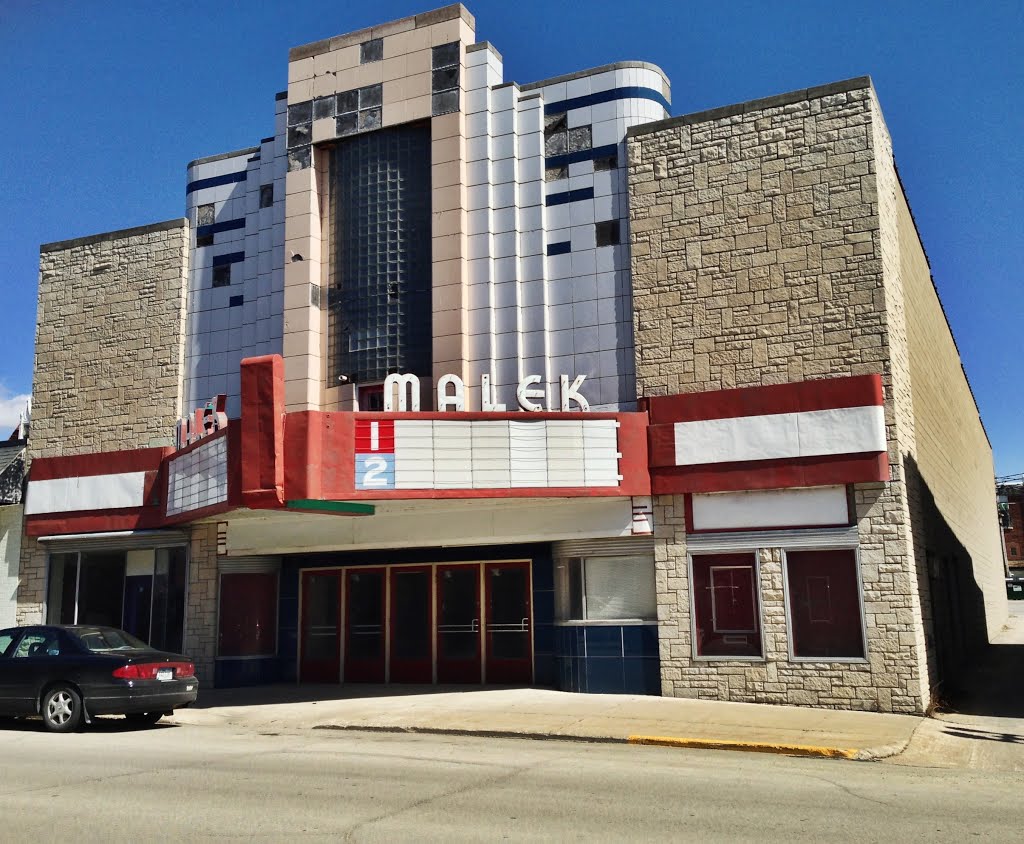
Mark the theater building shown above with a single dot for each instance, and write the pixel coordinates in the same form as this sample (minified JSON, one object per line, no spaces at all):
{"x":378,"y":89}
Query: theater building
{"x":459,"y":380}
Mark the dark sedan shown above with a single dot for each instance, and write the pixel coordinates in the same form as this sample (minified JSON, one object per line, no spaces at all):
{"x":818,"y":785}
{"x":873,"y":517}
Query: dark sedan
{"x":67,"y":674}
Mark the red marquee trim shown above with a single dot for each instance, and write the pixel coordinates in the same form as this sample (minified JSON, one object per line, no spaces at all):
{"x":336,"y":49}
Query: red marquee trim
{"x":98,"y":463}
{"x":801,"y":396}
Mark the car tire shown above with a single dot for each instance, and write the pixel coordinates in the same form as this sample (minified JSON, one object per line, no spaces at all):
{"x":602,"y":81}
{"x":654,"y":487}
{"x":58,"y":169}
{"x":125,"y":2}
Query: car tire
{"x":61,"y":709}
{"x":144,"y":718}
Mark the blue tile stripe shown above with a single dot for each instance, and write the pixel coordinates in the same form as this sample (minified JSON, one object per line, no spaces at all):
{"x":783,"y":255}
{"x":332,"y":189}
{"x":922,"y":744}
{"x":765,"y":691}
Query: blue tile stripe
{"x":581,"y":155}
{"x":230,"y":258}
{"x":568,"y":196}
{"x":629,"y":92}
{"x":215,"y":181}
{"x":226,"y":226}
{"x":562,"y":248}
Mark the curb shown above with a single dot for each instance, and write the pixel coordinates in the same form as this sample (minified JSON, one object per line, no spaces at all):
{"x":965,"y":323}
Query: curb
{"x":657,"y":741}
{"x":748,"y":746}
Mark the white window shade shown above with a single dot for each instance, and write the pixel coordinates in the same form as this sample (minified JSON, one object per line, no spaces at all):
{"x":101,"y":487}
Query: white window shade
{"x":619,"y":588}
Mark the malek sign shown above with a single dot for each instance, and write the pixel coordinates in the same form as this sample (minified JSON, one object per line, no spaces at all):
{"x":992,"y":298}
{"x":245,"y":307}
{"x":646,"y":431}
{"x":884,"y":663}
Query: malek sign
{"x":451,"y":394}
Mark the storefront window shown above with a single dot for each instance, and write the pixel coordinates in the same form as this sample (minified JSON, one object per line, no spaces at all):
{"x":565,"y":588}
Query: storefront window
{"x":725,"y":605}
{"x":606,"y":589}
{"x":140,"y":591}
{"x":248,"y":614}
{"x":824,"y":605}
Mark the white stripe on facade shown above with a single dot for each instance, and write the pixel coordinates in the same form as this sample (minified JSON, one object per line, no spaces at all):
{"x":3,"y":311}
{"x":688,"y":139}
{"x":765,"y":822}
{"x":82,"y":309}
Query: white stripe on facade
{"x":770,"y":508}
{"x":846,"y":430}
{"x":95,"y":492}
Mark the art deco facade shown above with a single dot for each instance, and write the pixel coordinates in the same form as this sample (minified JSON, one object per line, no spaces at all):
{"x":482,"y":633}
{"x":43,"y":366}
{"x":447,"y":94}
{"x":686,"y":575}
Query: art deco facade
{"x":520,"y":384}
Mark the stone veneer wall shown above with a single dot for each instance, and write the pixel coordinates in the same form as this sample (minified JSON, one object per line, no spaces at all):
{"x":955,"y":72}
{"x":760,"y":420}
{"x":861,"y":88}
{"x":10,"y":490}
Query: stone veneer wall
{"x":110,"y":341}
{"x":201,"y":605}
{"x":758,"y":257}
{"x":109,"y":355}
{"x":950,"y":478}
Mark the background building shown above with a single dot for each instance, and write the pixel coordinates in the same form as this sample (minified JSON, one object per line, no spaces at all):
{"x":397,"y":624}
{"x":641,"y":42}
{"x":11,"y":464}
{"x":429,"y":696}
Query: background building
{"x":679,"y":411}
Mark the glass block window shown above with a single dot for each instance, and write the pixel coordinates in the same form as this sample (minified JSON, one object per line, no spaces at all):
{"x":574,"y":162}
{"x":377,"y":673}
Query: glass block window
{"x":266,"y":195}
{"x":324,"y":107}
{"x":553,"y":174}
{"x":379,"y":300}
{"x":556,"y":134}
{"x":444,"y":81}
{"x":371,"y":51}
{"x":606,"y":232}
{"x":204,"y":215}
{"x":222,"y":275}
{"x":359,"y":110}
{"x":300,"y":113}
{"x":579,"y":139}
{"x":606,"y":162}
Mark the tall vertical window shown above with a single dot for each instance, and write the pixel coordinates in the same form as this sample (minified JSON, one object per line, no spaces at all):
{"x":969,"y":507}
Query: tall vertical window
{"x":379,"y":300}
{"x":824,"y":605}
{"x":725,"y":605}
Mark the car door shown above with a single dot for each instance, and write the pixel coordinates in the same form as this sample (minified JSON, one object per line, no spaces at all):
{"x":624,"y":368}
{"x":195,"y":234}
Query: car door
{"x":13,"y":697}
{"x":31,"y":664}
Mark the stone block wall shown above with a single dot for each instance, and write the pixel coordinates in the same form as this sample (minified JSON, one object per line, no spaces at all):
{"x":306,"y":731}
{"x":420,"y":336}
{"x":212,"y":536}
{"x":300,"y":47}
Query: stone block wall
{"x":201,"y":606}
{"x":110,"y":341}
{"x":759,"y":248}
{"x":109,"y":356}
{"x":949,"y":475}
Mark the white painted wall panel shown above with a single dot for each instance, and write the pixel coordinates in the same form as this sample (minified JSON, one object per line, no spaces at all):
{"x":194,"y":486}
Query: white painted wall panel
{"x":770,"y":508}
{"x":848,"y":430}
{"x":96,"y":492}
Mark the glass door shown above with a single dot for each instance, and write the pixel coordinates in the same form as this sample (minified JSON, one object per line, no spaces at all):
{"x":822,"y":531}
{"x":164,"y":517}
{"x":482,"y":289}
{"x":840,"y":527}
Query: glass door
{"x":321,"y":604}
{"x":364,"y":625}
{"x":509,"y":633}
{"x":458,"y":624}
{"x":410,"y":621}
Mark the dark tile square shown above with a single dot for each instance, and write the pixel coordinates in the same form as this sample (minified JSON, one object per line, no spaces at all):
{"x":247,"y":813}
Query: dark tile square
{"x":544,"y":639}
{"x":544,"y":671}
{"x":543,"y":575}
{"x":640,"y":641}
{"x":604,"y":675}
{"x":543,"y":607}
{"x":641,"y":676}
{"x":604,"y":641}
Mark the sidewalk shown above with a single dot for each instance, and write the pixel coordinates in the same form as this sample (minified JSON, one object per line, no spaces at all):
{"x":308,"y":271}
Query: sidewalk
{"x":543,"y":713}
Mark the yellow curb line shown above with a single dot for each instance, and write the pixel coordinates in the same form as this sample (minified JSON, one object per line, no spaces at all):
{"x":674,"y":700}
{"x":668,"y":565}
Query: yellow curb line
{"x":750,"y":746}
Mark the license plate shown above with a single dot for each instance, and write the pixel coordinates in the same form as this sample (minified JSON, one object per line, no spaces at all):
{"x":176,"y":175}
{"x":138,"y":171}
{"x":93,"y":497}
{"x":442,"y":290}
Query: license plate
{"x":164,"y":674}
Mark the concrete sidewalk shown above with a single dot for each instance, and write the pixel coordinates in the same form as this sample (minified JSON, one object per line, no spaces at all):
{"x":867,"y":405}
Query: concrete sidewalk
{"x":543,"y":713}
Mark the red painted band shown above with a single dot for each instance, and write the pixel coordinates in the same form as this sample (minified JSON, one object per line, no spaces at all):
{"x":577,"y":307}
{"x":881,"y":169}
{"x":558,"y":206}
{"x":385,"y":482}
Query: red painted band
{"x":801,"y":396}
{"x":97,"y":463}
{"x":829,"y":470}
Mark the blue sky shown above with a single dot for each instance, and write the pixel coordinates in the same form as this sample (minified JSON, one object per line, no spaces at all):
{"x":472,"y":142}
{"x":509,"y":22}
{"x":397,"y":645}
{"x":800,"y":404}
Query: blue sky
{"x":104,"y":103}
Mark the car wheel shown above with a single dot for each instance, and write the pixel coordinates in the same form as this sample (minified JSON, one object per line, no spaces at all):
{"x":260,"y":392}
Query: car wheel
{"x":62,"y":709}
{"x":144,"y":718}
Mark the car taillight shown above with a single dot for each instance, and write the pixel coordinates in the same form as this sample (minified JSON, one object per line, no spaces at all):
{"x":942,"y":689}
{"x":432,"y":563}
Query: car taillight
{"x":150,"y":670}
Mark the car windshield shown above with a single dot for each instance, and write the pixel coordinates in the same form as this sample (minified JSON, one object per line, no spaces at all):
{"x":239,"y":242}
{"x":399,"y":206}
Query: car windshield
{"x":108,"y":639}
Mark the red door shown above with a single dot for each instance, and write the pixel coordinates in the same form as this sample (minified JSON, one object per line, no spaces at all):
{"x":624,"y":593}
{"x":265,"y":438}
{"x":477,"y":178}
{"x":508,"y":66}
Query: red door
{"x":458,"y":624}
{"x":364,"y":625}
{"x":321,"y":611}
{"x":411,"y":657}
{"x":509,"y":623}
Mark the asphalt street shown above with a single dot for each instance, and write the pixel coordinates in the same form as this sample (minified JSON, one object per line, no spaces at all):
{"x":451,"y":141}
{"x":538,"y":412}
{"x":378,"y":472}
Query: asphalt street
{"x":113,"y":783}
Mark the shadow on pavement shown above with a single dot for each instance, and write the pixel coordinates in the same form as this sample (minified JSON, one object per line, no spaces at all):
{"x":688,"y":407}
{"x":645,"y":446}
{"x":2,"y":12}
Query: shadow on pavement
{"x":994,"y":686}
{"x":105,"y":724}
{"x":314,"y":693}
{"x":985,"y":735}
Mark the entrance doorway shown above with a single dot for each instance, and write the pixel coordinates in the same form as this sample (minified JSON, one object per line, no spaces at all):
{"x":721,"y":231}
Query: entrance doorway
{"x":418,"y":623}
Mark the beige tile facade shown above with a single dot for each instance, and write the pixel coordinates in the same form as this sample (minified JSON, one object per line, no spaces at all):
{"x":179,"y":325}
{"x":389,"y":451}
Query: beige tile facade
{"x":766,"y":248}
{"x":333,"y":66}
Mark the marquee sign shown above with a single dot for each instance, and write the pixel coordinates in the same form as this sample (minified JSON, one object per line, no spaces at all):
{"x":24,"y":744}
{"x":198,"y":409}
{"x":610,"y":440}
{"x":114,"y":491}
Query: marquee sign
{"x":204,"y":421}
{"x":451,"y":394}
